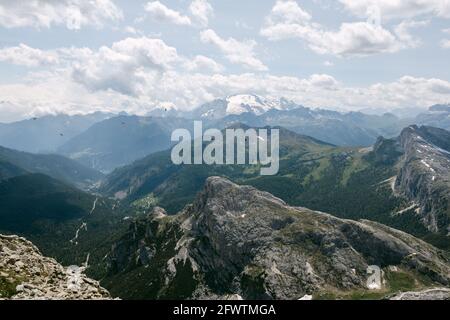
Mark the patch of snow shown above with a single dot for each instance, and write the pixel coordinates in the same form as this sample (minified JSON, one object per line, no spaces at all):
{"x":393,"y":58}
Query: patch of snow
{"x":208,"y":113}
{"x":239,"y":104}
{"x":427,"y":165}
{"x":306,"y":297}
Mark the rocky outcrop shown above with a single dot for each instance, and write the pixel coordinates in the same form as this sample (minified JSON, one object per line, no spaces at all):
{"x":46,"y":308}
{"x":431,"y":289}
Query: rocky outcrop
{"x":430,"y":294}
{"x":26,"y":274}
{"x":237,"y":240}
{"x":424,"y":175}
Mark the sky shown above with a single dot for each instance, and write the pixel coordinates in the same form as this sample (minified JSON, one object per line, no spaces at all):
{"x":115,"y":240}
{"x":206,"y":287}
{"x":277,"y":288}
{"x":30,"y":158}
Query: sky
{"x":79,"y":56}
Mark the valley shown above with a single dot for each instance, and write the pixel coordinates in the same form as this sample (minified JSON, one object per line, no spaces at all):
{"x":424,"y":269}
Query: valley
{"x":156,"y":230}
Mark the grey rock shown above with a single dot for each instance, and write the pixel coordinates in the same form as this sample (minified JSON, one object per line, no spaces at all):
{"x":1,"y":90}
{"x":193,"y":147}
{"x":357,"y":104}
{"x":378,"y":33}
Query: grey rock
{"x":39,"y":277}
{"x":238,"y":240}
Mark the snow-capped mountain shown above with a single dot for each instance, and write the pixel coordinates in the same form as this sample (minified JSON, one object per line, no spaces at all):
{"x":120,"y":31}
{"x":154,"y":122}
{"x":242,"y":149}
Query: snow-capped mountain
{"x":239,"y":104}
{"x":165,"y":110}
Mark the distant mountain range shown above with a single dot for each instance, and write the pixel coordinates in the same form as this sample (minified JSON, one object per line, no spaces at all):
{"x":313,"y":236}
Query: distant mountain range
{"x":237,"y":105}
{"x":45,"y":134}
{"x":105,"y":141}
{"x":119,"y":141}
{"x":14,"y":163}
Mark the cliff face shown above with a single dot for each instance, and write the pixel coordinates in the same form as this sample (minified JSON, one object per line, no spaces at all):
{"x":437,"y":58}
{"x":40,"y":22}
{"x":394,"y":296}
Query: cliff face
{"x":238,"y":240}
{"x":26,"y":274}
{"x":424,"y":175}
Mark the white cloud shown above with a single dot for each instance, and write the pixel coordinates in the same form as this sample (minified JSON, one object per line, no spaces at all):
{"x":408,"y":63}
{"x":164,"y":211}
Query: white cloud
{"x":238,"y":52}
{"x":289,"y":12}
{"x":323,"y":80}
{"x":202,"y":63}
{"x":126,"y":66}
{"x":160,"y":12}
{"x":400,"y":9}
{"x":138,"y":74}
{"x":445,"y":43}
{"x":403,"y":32}
{"x":132,"y":30}
{"x":57,"y":93}
{"x":74,"y":14}
{"x":202,"y":11}
{"x":288,"y":20}
{"x":26,"y":56}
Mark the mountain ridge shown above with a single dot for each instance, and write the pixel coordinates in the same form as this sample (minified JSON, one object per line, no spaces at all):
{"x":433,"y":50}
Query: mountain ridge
{"x":237,"y":240}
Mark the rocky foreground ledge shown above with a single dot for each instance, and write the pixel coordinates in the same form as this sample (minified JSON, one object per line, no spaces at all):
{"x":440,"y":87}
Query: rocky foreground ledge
{"x":26,"y":274}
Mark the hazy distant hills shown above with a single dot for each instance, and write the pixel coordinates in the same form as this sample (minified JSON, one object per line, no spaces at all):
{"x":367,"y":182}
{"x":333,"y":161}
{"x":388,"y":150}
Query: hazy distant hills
{"x":437,"y":116}
{"x":46,"y":134}
{"x":120,"y":140}
{"x":14,"y":163}
{"x":41,"y":199}
{"x":343,"y":129}
{"x":339,"y":128}
{"x":105,"y":142}
{"x":9,"y":170}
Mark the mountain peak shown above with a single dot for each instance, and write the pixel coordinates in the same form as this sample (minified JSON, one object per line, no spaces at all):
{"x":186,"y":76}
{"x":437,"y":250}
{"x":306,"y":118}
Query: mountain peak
{"x":237,"y":239}
{"x":440,"y":108}
{"x":216,"y":186}
{"x":241,"y":103}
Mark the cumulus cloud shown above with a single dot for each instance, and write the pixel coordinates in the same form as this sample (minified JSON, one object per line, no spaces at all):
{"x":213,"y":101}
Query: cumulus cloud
{"x":392,"y":9}
{"x":185,"y":90}
{"x":126,"y":66}
{"x":288,"y":20}
{"x":237,"y":52}
{"x":26,"y":56}
{"x":445,"y":43}
{"x":160,"y":12}
{"x":202,"y":63}
{"x":202,"y":11}
{"x":323,"y":80}
{"x":138,"y":74}
{"x":404,"y":35}
{"x":74,"y":14}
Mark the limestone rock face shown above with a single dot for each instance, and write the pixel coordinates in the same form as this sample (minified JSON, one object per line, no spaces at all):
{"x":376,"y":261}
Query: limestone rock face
{"x":238,"y":241}
{"x":424,"y":176}
{"x":26,"y":274}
